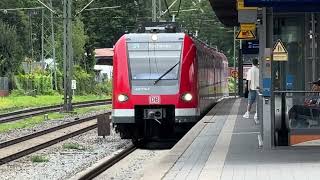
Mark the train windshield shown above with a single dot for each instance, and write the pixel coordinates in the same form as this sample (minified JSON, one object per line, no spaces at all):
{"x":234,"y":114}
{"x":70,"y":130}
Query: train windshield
{"x":150,"y":60}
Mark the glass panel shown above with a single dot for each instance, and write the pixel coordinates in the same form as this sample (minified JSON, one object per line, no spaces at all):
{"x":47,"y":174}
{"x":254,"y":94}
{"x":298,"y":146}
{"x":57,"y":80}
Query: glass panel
{"x":303,"y":110}
{"x":313,"y":52}
{"x":317,"y":27}
{"x":290,"y":75}
{"x":151,"y":60}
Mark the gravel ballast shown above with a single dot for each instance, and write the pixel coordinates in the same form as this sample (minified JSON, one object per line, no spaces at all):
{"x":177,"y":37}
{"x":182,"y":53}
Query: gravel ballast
{"x":132,"y":167}
{"x":12,"y":134}
{"x":63,"y":163}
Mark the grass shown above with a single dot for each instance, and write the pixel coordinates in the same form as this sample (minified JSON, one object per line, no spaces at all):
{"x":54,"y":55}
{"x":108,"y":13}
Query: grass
{"x":39,"y":159}
{"x":90,"y":109}
{"x":11,"y":103}
{"x":33,"y":121}
{"x":75,"y":146}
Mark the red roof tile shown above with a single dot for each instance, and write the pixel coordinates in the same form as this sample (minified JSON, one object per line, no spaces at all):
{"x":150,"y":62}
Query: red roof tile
{"x":103,"y":52}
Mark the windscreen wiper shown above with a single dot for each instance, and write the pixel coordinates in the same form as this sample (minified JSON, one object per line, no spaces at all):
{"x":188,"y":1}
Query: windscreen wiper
{"x":157,"y":80}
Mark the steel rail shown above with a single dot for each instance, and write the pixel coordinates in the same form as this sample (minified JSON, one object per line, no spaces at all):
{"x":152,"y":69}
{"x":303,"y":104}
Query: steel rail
{"x":18,"y":115}
{"x":46,"y":131}
{"x":107,"y":164}
{"x":48,"y":143}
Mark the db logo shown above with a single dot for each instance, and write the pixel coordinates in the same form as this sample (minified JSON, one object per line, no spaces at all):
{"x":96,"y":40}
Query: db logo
{"x":154,"y":99}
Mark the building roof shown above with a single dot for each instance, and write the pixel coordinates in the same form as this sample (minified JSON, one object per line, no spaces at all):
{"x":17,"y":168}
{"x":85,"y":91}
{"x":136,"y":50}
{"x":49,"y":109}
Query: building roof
{"x":226,"y":11}
{"x":103,"y":52}
{"x":104,"y":56}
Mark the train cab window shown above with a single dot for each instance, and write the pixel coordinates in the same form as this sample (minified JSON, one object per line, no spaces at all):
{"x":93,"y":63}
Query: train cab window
{"x":150,"y":60}
{"x":291,"y":31}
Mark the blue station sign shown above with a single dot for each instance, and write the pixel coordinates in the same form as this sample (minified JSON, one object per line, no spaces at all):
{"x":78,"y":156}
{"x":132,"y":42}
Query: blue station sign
{"x":286,"y":5}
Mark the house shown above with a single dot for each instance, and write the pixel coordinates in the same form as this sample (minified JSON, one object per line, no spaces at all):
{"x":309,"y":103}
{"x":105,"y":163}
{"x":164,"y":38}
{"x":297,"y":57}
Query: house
{"x":103,"y":67}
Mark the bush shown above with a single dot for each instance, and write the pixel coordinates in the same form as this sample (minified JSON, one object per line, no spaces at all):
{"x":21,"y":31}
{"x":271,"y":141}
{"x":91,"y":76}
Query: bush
{"x":104,"y":88}
{"x":37,"y":83}
{"x":40,"y":83}
{"x":232,"y":83}
{"x":86,"y":83}
{"x":17,"y":92}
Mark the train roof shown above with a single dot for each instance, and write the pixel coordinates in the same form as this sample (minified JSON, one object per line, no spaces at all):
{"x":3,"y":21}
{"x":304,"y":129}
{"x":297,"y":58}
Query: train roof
{"x":158,"y":37}
{"x":172,"y":37}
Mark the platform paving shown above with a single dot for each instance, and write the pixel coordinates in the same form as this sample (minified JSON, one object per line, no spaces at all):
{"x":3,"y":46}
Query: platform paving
{"x":224,"y":146}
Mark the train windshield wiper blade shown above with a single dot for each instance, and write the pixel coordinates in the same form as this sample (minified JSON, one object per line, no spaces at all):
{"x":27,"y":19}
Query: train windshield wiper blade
{"x":157,"y":80}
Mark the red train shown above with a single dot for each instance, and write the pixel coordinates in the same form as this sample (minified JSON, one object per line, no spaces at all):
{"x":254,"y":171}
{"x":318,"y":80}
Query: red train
{"x":162,"y":81}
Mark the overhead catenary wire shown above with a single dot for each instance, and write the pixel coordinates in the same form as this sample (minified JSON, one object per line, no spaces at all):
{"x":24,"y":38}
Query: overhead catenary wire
{"x":43,"y":4}
{"x":168,"y":8}
{"x":15,"y":9}
{"x":100,"y":8}
{"x":179,"y":7}
{"x":85,"y":7}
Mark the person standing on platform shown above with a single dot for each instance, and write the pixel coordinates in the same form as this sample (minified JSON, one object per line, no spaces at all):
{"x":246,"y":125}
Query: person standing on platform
{"x":253,"y":85}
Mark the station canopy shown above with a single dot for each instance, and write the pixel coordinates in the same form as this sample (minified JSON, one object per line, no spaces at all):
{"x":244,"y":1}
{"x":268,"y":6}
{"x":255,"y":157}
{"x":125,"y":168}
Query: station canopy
{"x":226,"y":11}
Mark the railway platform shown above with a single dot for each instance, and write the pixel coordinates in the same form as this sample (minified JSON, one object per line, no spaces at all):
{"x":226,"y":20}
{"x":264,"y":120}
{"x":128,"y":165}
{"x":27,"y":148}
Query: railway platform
{"x":225,"y":146}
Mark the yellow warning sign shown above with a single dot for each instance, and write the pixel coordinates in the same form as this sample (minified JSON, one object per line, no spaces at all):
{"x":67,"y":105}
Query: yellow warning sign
{"x":279,"y":47}
{"x":248,"y":27}
{"x":280,"y":52}
{"x":245,"y":35}
{"x":240,"y":6}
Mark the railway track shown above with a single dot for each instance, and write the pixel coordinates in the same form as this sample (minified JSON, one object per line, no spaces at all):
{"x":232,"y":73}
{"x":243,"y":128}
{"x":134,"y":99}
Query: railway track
{"x":108,"y":163}
{"x":17,"y":148}
{"x":21,"y":114}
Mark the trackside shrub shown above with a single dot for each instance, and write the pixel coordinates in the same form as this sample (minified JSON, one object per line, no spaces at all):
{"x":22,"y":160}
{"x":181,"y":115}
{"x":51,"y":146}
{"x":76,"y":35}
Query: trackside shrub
{"x":41,"y":83}
{"x":86,"y":83}
{"x":37,"y":83}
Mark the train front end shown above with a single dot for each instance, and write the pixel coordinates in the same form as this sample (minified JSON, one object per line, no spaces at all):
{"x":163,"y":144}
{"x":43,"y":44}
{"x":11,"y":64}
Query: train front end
{"x":154,"y":84}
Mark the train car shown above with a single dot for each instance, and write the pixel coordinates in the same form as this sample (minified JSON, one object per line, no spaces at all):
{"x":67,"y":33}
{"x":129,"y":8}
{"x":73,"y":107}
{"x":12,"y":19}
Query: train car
{"x":163,"y":81}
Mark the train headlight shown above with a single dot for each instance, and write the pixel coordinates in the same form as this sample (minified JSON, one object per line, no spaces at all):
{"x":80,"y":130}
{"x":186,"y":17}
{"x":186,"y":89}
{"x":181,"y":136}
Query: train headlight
{"x":187,"y":97}
{"x":154,"y":37}
{"x":122,"y":98}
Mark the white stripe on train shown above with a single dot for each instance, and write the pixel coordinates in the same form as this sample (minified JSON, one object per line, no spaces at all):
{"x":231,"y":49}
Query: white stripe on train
{"x":178,"y":112}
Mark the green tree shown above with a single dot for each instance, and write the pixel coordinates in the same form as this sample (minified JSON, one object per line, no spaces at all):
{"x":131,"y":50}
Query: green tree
{"x":10,"y":50}
{"x":79,"y":39}
{"x":105,"y":26}
{"x":201,"y":18}
{"x":19,"y":19}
